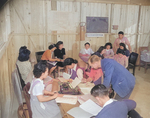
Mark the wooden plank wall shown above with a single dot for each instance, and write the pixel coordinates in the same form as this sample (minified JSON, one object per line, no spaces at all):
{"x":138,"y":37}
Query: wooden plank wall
{"x":7,"y":65}
{"x":4,"y":25}
{"x":37,"y":23}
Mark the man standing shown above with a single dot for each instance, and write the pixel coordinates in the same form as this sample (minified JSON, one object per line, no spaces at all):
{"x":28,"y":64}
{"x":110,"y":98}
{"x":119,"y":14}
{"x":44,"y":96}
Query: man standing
{"x":120,"y":78}
{"x":121,"y":39}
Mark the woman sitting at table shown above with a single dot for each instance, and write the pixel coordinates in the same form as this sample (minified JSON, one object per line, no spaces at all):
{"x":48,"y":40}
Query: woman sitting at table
{"x":84,"y":55}
{"x":121,"y":58}
{"x":48,"y":57}
{"x":23,"y":63}
{"x":109,"y":53}
{"x":100,"y":52}
{"x":60,"y":53}
{"x":41,"y":106}
{"x":122,"y":46}
{"x":72,"y":69}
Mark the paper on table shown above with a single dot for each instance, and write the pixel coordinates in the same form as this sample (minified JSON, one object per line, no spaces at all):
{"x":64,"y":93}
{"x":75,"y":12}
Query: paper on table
{"x":52,"y":62}
{"x":86,"y":97}
{"x":66,"y":76}
{"x":75,"y":82}
{"x":91,"y":107}
{"x":63,"y":79}
{"x":77,"y":112}
{"x":86,"y":88}
{"x":68,"y":99}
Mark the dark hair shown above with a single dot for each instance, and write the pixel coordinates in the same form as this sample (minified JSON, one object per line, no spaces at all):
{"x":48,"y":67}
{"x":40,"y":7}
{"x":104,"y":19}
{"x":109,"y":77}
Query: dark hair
{"x":69,"y":61}
{"x":99,"y":91}
{"x":122,"y":44}
{"x":121,"y":32}
{"x":109,"y":45}
{"x":58,"y":43}
{"x":24,"y":54}
{"x":51,"y":46}
{"x":120,"y":51}
{"x":101,"y":49}
{"x":40,"y":68}
{"x":86,"y":44}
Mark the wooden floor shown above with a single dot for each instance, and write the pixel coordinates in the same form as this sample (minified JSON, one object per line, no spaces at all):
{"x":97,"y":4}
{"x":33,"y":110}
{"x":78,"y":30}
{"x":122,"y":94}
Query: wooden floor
{"x":141,"y":94}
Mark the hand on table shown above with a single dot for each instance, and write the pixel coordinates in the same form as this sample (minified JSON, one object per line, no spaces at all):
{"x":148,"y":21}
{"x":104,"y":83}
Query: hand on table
{"x":89,"y":80}
{"x":58,"y":60}
{"x":70,"y":80}
{"x":84,"y":80}
{"x":55,"y":95}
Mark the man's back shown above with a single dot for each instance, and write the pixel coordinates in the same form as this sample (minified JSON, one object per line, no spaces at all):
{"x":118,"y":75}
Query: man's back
{"x":121,"y":79}
{"x":117,"y":109}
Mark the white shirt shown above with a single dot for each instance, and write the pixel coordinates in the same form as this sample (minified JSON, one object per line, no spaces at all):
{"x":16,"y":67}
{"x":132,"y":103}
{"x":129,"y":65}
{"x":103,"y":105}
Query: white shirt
{"x":87,"y":51}
{"x":38,"y":88}
{"x":108,"y":102}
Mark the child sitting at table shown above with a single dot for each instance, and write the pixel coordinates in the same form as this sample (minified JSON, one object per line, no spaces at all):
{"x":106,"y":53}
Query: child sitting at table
{"x":41,"y":106}
{"x":109,"y":51}
{"x":121,"y":58}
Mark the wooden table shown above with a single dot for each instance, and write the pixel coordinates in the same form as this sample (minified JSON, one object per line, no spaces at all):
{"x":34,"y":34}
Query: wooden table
{"x":64,"y":107}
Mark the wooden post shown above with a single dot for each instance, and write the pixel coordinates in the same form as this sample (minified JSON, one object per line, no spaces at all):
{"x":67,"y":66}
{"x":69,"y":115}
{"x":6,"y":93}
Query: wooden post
{"x":136,"y":44}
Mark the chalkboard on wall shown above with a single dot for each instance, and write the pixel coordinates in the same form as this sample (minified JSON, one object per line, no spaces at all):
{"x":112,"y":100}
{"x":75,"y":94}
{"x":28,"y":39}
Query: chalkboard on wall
{"x":96,"y":24}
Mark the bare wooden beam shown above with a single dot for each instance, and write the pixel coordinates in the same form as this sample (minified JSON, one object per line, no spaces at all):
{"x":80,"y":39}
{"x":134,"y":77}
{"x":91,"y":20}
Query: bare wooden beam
{"x":136,"y":40}
{"x":5,"y":44}
{"x":53,"y":5}
{"x":23,"y":24}
{"x":131,"y":2}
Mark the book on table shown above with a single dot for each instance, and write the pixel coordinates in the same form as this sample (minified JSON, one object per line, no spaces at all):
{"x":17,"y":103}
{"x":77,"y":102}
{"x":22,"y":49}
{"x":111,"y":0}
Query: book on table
{"x":68,"y":99}
{"x":86,"y":110}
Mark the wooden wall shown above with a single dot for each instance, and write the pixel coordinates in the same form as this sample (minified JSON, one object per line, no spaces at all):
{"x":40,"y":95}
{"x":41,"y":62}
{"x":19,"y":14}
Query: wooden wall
{"x":37,"y":23}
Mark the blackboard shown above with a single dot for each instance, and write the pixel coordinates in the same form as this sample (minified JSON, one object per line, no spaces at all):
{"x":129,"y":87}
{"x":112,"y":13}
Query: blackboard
{"x":96,"y":24}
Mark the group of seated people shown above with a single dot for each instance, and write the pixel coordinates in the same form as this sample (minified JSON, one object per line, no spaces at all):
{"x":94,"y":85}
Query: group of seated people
{"x":106,"y":68}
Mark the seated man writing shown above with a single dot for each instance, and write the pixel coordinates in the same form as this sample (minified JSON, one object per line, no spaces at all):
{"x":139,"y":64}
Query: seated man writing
{"x":111,"y":108}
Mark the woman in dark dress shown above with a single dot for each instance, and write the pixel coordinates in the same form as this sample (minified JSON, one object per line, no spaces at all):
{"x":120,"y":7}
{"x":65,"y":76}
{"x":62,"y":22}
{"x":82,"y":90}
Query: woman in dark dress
{"x":122,"y":46}
{"x":100,"y":52}
{"x":60,"y":54}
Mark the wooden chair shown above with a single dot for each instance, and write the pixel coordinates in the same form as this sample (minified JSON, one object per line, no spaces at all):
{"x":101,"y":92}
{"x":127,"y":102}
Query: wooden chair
{"x":132,"y":61}
{"x":27,"y":98}
{"x":22,"y":113}
{"x":39,"y":55}
{"x":146,"y":65}
{"x":21,"y":80}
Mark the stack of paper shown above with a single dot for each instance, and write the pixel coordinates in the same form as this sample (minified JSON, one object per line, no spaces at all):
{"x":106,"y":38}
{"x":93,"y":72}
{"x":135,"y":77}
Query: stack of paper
{"x":52,"y":62}
{"x":66,"y":75}
{"x":86,"y":110}
{"x":68,"y":99}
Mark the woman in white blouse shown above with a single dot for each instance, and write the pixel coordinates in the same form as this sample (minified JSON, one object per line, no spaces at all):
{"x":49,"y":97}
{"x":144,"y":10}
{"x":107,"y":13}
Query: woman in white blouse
{"x":42,"y":106}
{"x":84,"y":55}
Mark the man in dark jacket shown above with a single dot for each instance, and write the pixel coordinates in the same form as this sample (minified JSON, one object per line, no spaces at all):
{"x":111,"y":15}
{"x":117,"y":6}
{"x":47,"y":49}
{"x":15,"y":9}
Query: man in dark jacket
{"x":120,"y":78}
